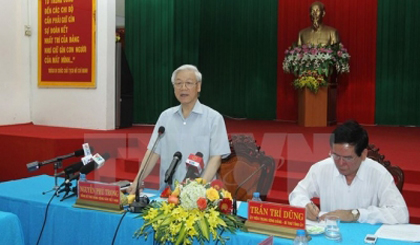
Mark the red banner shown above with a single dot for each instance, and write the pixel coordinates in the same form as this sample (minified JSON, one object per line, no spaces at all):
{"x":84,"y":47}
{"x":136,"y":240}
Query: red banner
{"x":276,"y":214}
{"x":66,"y":44}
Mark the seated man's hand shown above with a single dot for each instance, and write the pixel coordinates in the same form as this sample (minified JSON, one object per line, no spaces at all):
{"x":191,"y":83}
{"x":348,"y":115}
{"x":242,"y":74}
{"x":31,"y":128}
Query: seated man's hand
{"x":131,"y":189}
{"x":312,"y":211}
{"x":343,"y":215}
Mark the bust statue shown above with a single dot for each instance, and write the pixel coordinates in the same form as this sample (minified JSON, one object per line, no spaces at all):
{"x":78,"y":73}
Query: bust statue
{"x":318,"y":33}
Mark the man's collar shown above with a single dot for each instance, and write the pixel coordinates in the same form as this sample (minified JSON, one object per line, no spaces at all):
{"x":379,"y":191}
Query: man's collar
{"x":361,"y":173}
{"x":198,"y":108}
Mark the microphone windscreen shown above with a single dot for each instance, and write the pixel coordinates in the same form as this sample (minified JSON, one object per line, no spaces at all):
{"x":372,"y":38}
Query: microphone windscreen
{"x":78,"y":153}
{"x":199,"y":154}
{"x":73,"y":168}
{"x":81,"y":152}
{"x":178,"y":154}
{"x":161,"y":130}
{"x":93,"y":165}
{"x":88,"y":167}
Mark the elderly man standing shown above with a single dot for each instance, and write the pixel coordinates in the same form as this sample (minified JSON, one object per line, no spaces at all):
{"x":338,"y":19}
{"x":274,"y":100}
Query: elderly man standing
{"x":350,"y":185}
{"x":190,"y":127}
{"x":318,"y":33}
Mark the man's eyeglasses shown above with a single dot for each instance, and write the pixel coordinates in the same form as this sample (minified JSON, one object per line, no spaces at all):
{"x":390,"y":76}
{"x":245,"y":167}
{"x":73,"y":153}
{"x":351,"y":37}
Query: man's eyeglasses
{"x":179,"y":85}
{"x":336,"y":157}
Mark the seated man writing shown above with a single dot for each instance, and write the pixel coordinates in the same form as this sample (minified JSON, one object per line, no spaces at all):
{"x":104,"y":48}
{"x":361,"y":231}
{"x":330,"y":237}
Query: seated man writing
{"x":350,"y":185}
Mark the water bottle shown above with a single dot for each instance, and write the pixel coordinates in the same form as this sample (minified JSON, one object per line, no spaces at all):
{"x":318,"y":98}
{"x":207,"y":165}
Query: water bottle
{"x":82,"y":177}
{"x":300,"y":238}
{"x":256,"y":197}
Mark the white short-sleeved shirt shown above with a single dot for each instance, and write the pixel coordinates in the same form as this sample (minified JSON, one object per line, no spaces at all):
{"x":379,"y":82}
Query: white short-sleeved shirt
{"x":203,"y":131}
{"x":373,"y":192}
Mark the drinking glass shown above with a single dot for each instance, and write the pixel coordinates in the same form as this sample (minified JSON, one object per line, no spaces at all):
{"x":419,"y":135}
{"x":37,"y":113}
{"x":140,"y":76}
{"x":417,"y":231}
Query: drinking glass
{"x":332,"y":228}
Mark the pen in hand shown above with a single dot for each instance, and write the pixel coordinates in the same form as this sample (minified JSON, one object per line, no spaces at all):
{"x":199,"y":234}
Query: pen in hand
{"x":316,"y":210}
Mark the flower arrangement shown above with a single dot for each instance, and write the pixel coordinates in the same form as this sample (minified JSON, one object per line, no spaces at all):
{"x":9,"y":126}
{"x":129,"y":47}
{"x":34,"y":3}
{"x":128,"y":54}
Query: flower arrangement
{"x":313,"y":64}
{"x":193,"y":210}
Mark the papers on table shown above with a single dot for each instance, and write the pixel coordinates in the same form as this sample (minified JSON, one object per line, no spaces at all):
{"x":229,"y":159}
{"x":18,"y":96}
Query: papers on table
{"x":321,"y":222}
{"x":238,"y":203}
{"x":404,"y":232}
{"x":315,"y":223}
{"x":149,"y":195}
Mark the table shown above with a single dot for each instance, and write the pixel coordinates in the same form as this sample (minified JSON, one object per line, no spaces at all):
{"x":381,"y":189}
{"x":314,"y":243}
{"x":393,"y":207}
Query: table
{"x":10,"y":229}
{"x":68,"y":225}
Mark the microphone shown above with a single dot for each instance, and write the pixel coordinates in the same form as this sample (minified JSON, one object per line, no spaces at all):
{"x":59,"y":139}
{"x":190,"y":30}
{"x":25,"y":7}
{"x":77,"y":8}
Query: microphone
{"x":138,"y":203}
{"x":97,"y":162}
{"x":85,"y":160}
{"x":171,"y":170}
{"x":73,"y":168}
{"x":36,"y":165}
{"x":234,"y":208}
{"x":195,"y":165}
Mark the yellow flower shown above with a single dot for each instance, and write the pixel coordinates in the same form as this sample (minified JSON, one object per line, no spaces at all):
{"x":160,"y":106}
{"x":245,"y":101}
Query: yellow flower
{"x":212,"y":194}
{"x":174,"y":228}
{"x":186,"y":223}
{"x":201,"y":181}
{"x":151,"y":214}
{"x":212,"y":218}
{"x":156,"y":224}
{"x":192,"y":233}
{"x":167,"y":207}
{"x":179,"y":214}
{"x":226,"y":194}
{"x":189,"y":223}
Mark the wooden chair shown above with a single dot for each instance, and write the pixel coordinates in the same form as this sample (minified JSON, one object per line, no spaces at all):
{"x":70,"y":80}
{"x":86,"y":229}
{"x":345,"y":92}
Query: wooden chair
{"x":245,"y":159}
{"x":396,"y":172}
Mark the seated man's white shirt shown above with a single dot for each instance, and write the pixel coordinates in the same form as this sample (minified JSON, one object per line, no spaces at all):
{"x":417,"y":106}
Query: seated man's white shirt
{"x":373,"y":192}
{"x":203,"y":131}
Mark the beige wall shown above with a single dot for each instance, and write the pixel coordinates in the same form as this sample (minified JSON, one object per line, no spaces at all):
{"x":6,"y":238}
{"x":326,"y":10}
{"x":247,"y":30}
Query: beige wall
{"x":14,"y":64}
{"x":22,"y":100}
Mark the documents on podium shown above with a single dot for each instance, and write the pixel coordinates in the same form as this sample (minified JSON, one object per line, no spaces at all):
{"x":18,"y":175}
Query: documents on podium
{"x":401,"y":232}
{"x":275,"y":219}
{"x":99,"y":196}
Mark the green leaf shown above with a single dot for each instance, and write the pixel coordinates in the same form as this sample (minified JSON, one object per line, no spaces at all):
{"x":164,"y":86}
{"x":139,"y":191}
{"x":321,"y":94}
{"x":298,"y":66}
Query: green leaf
{"x":160,"y":216}
{"x":181,"y":235}
{"x":204,"y":227}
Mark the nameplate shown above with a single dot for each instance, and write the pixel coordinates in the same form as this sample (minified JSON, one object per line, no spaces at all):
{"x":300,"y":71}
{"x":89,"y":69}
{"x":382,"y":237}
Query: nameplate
{"x":99,"y":196}
{"x":275,"y":219}
{"x":276,"y":214}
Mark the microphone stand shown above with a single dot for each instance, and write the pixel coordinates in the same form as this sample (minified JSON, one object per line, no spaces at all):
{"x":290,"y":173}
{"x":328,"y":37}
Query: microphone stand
{"x":67,"y":188}
{"x":234,"y":208}
{"x":58,"y":164}
{"x":141,"y":202}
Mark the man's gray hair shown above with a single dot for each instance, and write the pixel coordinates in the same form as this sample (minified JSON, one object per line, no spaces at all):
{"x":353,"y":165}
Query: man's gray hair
{"x":187,"y":68}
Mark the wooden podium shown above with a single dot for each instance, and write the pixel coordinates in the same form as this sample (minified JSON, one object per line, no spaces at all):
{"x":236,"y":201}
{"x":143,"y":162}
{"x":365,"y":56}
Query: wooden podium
{"x":313,"y":107}
{"x":318,"y":110}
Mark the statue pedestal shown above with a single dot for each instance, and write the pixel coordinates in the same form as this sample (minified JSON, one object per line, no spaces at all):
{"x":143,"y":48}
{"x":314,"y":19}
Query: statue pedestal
{"x":313,"y":107}
{"x":332,"y":99}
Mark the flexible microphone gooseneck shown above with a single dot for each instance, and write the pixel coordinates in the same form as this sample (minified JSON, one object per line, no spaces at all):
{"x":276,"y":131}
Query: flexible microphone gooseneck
{"x":138,"y":204}
{"x":234,"y":208}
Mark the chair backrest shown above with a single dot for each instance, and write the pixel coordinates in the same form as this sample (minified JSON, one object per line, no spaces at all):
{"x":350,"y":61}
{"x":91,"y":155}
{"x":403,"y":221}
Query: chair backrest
{"x":245,"y":160}
{"x":396,"y":172}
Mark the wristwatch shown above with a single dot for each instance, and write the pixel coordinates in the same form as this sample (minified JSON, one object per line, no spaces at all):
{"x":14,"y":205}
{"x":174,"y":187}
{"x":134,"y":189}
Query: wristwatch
{"x":356,"y":214}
